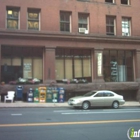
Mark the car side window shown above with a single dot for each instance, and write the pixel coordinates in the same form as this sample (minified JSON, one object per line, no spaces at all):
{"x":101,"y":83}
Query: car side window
{"x":108,"y":94}
{"x":99,"y":94}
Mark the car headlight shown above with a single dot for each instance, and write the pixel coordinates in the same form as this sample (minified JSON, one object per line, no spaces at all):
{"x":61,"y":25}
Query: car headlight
{"x":76,"y":101}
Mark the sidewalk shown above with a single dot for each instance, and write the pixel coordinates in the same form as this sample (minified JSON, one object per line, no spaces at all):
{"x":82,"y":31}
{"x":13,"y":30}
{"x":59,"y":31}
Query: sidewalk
{"x":65,"y":104}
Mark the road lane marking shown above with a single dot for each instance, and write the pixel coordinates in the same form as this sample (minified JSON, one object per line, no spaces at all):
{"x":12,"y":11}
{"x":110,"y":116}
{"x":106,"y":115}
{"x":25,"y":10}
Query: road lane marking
{"x":16,"y":114}
{"x":77,"y":113}
{"x":69,"y":123}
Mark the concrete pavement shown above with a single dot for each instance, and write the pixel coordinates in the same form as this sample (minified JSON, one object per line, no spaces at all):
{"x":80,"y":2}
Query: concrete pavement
{"x":65,"y":104}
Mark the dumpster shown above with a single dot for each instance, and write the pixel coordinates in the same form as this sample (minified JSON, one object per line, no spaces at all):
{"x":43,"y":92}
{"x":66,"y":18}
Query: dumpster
{"x":30,"y":95}
{"x":49,"y":94}
{"x":36,"y":95}
{"x":61,"y":95}
{"x":54,"y":95}
{"x":19,"y":92}
{"x":42,"y":94}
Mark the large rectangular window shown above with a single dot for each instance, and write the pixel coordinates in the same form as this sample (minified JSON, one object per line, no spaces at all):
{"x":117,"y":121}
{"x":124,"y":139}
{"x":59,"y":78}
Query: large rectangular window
{"x":65,"y":21}
{"x":21,"y":62}
{"x":73,"y":64}
{"x":118,"y":65}
{"x":12,"y":18}
{"x":126,"y":26}
{"x":33,"y":19}
{"x":110,"y":25}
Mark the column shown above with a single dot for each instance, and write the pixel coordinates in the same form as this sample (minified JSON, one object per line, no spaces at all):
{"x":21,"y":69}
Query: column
{"x":49,"y":65}
{"x":137,"y":65}
{"x":97,"y":66}
{"x":137,"y":71}
{"x":0,"y":63}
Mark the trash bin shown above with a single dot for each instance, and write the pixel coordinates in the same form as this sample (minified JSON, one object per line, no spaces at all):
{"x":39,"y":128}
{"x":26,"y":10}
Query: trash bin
{"x":54,"y":95}
{"x":30,"y":95}
{"x":19,"y":92}
{"x":36,"y":95}
{"x":42,"y":94}
{"x":61,"y":95}
{"x":49,"y":94}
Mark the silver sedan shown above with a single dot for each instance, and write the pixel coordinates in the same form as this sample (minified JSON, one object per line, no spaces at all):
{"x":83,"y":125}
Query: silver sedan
{"x":97,"y":98}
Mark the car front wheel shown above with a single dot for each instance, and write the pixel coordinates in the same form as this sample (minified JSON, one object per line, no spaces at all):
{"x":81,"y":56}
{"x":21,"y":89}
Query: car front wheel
{"x":85,"y":105}
{"x":115,"y":105}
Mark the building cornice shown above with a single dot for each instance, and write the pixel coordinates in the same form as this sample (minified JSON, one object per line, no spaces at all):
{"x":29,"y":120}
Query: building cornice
{"x":68,"y":36}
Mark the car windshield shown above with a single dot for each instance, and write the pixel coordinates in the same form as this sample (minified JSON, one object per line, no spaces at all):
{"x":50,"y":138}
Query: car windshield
{"x":89,"y":93}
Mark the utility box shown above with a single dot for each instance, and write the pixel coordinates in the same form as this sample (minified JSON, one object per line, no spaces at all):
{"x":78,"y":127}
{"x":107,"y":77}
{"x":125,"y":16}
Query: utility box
{"x":54,"y":95}
{"x":36,"y":95}
{"x":30,"y":95}
{"x":19,"y":92}
{"x":49,"y":94}
{"x":42,"y":94}
{"x":61,"y":95}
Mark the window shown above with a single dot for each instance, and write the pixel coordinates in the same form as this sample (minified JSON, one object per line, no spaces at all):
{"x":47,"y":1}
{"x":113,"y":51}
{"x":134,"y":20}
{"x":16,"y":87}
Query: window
{"x":65,"y":18}
{"x":73,"y":64}
{"x":126,"y":2}
{"x":99,"y":94}
{"x":110,"y":25}
{"x":108,"y":94}
{"x":21,"y":62}
{"x":118,"y":65}
{"x":125,"y":26}
{"x":109,"y":1}
{"x":33,"y":19}
{"x":83,"y":23}
{"x":12,"y":18}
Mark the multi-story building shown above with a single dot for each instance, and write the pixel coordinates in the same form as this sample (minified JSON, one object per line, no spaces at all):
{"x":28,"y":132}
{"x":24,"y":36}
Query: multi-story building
{"x":95,"y":40}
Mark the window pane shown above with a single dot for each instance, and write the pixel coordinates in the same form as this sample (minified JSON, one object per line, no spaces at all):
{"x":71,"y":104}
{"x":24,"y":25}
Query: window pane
{"x":33,"y":25}
{"x":59,"y":68}
{"x":6,"y":61}
{"x":33,"y":19}
{"x":68,"y":68}
{"x":86,"y":67}
{"x":77,"y":67}
{"x":12,"y":18}
{"x":27,"y":68}
{"x":16,"y":61}
{"x":64,"y":21}
{"x":37,"y":68}
{"x":12,"y":24}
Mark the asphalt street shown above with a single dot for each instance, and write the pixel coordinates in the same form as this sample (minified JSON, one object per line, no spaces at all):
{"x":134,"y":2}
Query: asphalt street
{"x":67,"y":123}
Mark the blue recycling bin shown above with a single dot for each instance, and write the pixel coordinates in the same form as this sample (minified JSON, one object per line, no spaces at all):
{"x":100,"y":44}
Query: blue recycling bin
{"x":30,"y":95}
{"x":61,"y":95}
{"x":19,"y":92}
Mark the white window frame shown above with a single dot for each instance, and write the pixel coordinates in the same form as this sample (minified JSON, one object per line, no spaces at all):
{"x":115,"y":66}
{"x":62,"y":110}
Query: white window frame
{"x":126,"y":31}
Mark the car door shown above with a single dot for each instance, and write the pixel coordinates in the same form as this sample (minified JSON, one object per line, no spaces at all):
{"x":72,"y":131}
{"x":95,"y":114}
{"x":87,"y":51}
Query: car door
{"x":108,"y":98}
{"x":98,"y":99}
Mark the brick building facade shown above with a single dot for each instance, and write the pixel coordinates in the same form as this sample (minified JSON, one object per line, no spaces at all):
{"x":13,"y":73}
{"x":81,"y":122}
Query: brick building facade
{"x":97,"y":41}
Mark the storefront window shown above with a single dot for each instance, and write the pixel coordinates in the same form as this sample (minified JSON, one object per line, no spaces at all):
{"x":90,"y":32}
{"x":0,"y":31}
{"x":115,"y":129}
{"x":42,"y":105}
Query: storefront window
{"x":75,"y":64}
{"x":118,"y":65}
{"x":18,"y":62}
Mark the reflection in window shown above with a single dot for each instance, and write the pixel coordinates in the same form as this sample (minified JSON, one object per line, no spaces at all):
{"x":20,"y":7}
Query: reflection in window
{"x":125,"y":26}
{"x":12,"y":18}
{"x":33,"y":19}
{"x":118,"y":65}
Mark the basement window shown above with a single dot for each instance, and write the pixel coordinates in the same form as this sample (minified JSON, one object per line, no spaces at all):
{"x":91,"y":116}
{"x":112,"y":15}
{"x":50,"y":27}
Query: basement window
{"x":126,"y":2}
{"x":109,"y":1}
